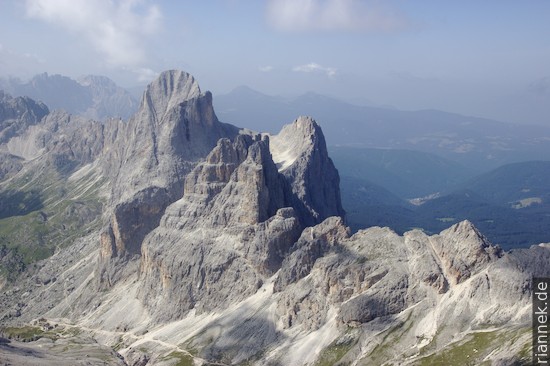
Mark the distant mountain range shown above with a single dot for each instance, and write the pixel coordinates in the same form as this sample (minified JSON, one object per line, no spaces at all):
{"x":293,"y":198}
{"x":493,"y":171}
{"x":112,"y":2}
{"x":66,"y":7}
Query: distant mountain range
{"x":95,"y":97}
{"x":406,"y":173}
{"x":480,"y":144}
{"x":510,"y":205}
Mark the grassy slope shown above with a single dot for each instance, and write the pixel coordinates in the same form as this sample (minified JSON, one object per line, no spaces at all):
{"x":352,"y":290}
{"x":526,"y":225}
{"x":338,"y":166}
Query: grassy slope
{"x":45,"y":211}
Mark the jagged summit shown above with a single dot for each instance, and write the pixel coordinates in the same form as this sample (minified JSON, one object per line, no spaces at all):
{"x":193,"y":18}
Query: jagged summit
{"x":175,"y":125}
{"x":169,"y":89}
{"x":300,"y":153}
{"x":16,"y":111}
{"x":94,"y":80}
{"x":293,"y":141}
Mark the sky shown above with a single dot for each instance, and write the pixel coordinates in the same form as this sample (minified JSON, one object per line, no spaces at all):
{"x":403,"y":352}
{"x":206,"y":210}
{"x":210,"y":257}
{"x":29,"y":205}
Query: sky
{"x":487,"y":58}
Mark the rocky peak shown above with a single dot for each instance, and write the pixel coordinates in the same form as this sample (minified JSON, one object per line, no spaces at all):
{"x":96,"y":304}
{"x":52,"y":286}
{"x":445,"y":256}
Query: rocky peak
{"x":96,"y":81}
{"x":300,"y":153}
{"x":174,"y":129}
{"x":463,"y":250}
{"x":238,"y":183}
{"x":58,"y":92}
{"x":171,"y":88}
{"x":109,"y":100}
{"x":205,"y":243}
{"x":294,"y":141}
{"x":23,"y":109}
{"x":17,"y":116}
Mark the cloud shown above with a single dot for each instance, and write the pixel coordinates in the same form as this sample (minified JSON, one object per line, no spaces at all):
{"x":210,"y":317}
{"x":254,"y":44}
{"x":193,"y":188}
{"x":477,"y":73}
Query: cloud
{"x":116,"y":29}
{"x":315,"y":67}
{"x":265,"y":68}
{"x":16,"y":63}
{"x":144,"y":73}
{"x":328,"y":15}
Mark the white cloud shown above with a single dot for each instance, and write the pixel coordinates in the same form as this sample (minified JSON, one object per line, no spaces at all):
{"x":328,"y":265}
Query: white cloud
{"x":315,"y":67}
{"x":265,"y":68}
{"x":307,"y":15}
{"x":18,"y":64}
{"x":116,"y":29}
{"x":145,"y":74}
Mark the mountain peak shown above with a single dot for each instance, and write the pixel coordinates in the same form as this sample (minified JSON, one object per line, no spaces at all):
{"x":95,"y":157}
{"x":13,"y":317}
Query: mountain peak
{"x":300,"y":153}
{"x":294,"y":140}
{"x":306,"y":124}
{"x":464,"y":250}
{"x":90,"y":80}
{"x":465,"y":229}
{"x":171,"y":88}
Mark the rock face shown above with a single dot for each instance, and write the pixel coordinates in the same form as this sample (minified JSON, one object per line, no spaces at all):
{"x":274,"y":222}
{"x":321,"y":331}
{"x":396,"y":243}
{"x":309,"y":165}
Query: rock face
{"x":174,"y":127}
{"x":377,"y":273}
{"x":238,"y":184}
{"x":29,"y":131}
{"x":300,"y":153}
{"x":463,"y":250}
{"x":228,"y":246}
{"x":16,"y":116}
{"x":250,"y":214}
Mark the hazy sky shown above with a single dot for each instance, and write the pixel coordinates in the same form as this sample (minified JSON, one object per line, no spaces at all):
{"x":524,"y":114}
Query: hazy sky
{"x":484,"y":58}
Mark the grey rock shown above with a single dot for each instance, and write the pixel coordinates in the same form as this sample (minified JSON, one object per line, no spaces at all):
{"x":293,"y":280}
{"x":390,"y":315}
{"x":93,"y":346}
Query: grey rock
{"x":313,"y":244}
{"x":300,"y":152}
{"x":238,"y":195}
{"x":174,"y":127}
{"x":387,"y":298}
{"x":377,"y":273}
{"x":149,"y":157}
{"x":17,"y":114}
{"x":463,"y":250}
{"x":272,"y":241}
{"x":9,"y":165}
{"x":238,"y":192}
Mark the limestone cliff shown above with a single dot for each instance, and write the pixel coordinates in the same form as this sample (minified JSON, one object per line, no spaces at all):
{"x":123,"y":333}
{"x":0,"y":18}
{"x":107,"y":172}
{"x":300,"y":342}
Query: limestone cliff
{"x":174,"y":127}
{"x":300,"y":153}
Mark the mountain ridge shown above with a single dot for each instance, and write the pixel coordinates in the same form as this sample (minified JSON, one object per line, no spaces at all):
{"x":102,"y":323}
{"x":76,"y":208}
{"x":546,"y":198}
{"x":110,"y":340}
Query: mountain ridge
{"x":91,"y":96}
{"x":479,"y":143}
{"x":214,"y":244}
{"x":509,"y":204}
